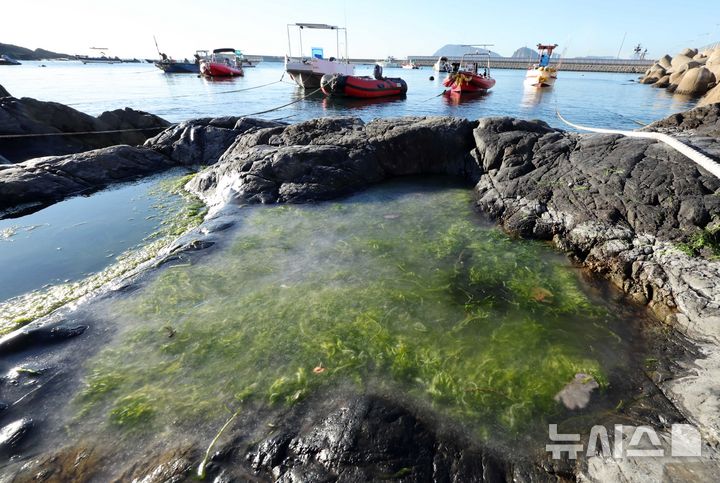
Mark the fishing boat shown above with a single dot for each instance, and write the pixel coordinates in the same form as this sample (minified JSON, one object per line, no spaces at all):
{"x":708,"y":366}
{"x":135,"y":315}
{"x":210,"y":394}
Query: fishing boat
{"x":363,"y":87}
{"x":410,"y":65}
{"x":307,"y":72}
{"x":7,"y":60}
{"x":389,"y":63}
{"x":542,"y":74}
{"x":171,"y":66}
{"x":222,"y":63}
{"x":467,"y":75}
{"x":442,"y":65}
{"x":103,"y":58}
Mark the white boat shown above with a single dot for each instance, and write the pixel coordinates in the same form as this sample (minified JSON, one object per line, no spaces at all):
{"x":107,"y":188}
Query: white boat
{"x":410,"y":65}
{"x":442,"y":65}
{"x":307,"y":71}
{"x":389,"y":63}
{"x":542,"y":74}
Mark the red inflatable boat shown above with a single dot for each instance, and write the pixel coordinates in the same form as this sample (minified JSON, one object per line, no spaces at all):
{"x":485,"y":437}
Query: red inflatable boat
{"x":362,"y":87}
{"x":222,"y":63}
{"x":469,"y":78}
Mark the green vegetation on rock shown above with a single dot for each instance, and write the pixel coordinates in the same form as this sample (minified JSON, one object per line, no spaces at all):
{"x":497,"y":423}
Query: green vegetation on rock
{"x":402,"y":290}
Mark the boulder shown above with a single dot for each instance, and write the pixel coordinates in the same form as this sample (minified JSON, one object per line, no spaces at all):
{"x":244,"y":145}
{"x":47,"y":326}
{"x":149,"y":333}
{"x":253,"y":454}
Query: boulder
{"x":711,"y":98}
{"x":713,"y":58}
{"x":700,"y":57}
{"x":29,"y":116}
{"x":695,"y":82}
{"x":650,"y":79}
{"x":689,"y":52}
{"x":665,"y":61}
{"x":663,"y":82}
{"x":680,"y":60}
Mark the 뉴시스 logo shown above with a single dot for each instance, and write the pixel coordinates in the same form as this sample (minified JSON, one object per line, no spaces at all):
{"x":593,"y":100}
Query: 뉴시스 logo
{"x":628,"y":442}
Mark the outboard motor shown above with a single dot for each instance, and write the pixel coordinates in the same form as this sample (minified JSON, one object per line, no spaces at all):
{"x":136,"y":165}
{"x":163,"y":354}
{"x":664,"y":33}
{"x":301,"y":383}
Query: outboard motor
{"x":378,"y":72}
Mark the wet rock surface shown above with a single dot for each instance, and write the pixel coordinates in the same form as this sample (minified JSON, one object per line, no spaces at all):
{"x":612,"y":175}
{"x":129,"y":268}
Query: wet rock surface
{"x":29,"y":116}
{"x":326,"y":158}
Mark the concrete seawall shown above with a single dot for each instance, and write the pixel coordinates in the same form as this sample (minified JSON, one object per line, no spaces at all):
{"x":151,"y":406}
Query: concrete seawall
{"x":577,"y":64}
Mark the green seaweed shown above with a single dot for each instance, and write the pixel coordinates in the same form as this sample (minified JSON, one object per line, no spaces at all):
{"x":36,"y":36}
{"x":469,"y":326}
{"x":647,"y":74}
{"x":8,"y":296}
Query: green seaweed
{"x":413,"y":294}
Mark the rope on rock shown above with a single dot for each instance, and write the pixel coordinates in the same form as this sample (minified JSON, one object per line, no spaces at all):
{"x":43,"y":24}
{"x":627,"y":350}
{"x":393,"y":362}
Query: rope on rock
{"x":699,"y":158}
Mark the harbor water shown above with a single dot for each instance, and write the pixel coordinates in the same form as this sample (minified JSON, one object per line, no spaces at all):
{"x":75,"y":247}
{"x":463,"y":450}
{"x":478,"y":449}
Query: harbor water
{"x":599,"y":99}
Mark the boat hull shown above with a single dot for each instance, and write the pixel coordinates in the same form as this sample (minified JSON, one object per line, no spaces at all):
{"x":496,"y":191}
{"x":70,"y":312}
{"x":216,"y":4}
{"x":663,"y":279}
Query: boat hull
{"x":216,"y":69}
{"x":178,"y":67}
{"x":308,"y":73}
{"x":464,"y":81}
{"x":362,"y":87}
{"x":541,"y":78}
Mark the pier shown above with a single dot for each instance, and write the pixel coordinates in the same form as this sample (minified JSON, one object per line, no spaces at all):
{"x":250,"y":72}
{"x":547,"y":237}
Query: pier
{"x":632,"y":66}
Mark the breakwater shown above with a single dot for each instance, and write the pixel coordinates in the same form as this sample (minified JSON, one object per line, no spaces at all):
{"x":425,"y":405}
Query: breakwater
{"x":636,"y":66}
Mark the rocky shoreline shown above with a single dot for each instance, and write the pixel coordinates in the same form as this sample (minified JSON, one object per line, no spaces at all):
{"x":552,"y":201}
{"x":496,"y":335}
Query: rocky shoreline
{"x":621,"y":207}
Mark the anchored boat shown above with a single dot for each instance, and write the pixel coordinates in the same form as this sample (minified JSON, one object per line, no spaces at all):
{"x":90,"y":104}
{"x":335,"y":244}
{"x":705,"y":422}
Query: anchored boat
{"x":308,"y":72}
{"x":466,"y":76}
{"x":389,"y":63}
{"x":222,"y":63}
{"x":410,"y":65}
{"x":7,"y":60}
{"x":170,"y":66}
{"x":542,"y":74}
{"x":364,"y":87}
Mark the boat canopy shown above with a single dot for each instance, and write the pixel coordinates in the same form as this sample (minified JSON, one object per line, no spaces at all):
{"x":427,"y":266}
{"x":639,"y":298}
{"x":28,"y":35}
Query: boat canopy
{"x":221,"y":51}
{"x":322,"y":26}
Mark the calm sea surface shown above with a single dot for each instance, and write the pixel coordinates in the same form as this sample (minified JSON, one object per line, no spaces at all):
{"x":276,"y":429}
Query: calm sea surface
{"x":599,"y":99}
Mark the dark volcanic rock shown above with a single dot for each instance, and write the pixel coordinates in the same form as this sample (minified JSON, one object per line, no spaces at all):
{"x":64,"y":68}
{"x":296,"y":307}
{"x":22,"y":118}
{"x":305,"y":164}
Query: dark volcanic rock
{"x":29,"y":116}
{"x":639,"y":185}
{"x":32,"y":337}
{"x":328,"y":157}
{"x":202,"y":141}
{"x":43,"y":181}
{"x":12,"y":434}
{"x":3,"y":92}
{"x":701,"y":121}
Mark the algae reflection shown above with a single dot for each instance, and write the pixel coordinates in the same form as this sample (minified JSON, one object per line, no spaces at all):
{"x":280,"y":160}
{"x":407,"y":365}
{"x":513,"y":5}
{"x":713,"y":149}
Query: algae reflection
{"x":398,"y":286}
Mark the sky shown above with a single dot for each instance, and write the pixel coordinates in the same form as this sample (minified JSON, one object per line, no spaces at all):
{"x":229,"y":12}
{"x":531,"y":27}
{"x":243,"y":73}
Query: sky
{"x":375,"y":28}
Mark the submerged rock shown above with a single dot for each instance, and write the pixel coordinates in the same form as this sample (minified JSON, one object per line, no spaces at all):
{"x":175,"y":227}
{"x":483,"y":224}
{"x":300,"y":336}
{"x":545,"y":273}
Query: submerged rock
{"x":30,"y":116}
{"x":28,"y":338}
{"x":576,"y":395}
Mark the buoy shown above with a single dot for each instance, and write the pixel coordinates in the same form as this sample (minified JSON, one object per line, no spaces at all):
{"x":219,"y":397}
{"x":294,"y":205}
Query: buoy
{"x":432,"y":77}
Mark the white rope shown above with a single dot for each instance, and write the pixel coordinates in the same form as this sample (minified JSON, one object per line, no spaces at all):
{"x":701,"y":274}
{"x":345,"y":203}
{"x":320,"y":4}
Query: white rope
{"x":699,"y":158}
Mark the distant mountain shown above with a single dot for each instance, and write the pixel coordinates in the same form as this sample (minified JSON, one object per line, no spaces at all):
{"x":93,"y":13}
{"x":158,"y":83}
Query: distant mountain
{"x":458,"y":50}
{"x":524,"y":53}
{"x":21,"y":53}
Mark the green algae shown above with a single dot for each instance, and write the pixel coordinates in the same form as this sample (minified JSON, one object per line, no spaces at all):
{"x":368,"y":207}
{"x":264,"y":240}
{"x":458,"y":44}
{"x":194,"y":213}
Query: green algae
{"x":181,"y":211}
{"x":408,"y":292}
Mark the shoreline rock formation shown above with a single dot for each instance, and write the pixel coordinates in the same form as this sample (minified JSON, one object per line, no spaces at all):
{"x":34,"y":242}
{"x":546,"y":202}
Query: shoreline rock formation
{"x":689,"y":73}
{"x":619,"y":206}
{"x":28,"y":116}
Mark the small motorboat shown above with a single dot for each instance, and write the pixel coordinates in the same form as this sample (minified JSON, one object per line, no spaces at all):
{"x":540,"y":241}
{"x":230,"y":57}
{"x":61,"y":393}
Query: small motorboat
{"x":389,"y":63}
{"x":363,"y":87}
{"x":171,"y":66}
{"x":467,"y":77}
{"x":410,"y":65}
{"x":442,"y":65}
{"x":222,"y":63}
{"x":308,"y":72}
{"x":542,"y":74}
